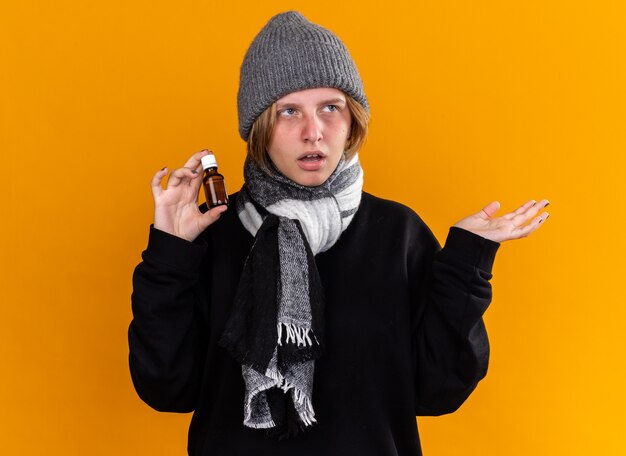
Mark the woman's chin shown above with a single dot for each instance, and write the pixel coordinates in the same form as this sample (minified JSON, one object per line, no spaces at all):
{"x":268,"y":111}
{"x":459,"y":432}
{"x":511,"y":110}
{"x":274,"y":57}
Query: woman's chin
{"x":310,"y":181}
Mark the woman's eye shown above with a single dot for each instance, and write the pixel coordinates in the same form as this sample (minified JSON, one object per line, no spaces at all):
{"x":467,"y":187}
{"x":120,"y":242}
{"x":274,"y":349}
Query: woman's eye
{"x":330,"y":108}
{"x":288,"y":111}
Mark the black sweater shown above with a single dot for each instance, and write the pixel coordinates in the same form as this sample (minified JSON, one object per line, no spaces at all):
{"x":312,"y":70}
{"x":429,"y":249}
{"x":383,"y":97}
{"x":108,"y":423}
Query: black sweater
{"x":404,"y":333}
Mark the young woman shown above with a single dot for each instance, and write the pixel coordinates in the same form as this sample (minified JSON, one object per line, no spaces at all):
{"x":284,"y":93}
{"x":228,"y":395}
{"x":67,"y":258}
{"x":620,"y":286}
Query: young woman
{"x":310,"y":317}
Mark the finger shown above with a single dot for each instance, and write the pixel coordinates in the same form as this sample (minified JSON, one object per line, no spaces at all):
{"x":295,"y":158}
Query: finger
{"x":490,"y":210}
{"x":195,"y":182}
{"x":211,"y":216}
{"x":181,"y":175}
{"x":520,"y":210}
{"x":195,"y":162}
{"x":530,"y":212}
{"x":156,"y":182}
{"x":532,"y":226}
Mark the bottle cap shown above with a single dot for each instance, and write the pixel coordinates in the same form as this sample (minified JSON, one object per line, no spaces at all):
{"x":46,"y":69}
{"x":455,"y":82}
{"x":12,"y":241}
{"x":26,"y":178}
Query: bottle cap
{"x":208,"y":161}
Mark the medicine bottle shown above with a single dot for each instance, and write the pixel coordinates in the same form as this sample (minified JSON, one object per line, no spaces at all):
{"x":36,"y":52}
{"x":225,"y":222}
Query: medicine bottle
{"x":214,"y":186}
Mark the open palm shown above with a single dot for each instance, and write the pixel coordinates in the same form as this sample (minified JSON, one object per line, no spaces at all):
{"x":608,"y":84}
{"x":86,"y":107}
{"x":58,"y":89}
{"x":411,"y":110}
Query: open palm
{"x":508,"y":226}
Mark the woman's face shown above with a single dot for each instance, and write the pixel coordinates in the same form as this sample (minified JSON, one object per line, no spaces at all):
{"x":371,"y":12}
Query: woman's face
{"x":310,"y":134}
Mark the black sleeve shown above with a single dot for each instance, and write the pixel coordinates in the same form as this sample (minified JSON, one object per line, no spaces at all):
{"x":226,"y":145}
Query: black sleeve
{"x":168,"y":330}
{"x":451,"y":342}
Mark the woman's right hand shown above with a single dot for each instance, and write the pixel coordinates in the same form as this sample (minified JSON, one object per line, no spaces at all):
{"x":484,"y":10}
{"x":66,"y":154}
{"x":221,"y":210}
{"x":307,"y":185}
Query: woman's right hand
{"x":176,"y":207}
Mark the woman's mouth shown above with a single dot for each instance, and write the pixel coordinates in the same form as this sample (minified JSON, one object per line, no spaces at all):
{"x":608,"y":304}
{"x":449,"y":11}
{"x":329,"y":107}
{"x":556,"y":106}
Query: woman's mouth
{"x":311,"y":158}
{"x":311,"y":161}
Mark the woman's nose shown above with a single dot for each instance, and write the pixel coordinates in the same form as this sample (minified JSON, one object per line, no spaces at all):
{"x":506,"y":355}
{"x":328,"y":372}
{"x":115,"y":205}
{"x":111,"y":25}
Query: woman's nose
{"x":312,"y":129}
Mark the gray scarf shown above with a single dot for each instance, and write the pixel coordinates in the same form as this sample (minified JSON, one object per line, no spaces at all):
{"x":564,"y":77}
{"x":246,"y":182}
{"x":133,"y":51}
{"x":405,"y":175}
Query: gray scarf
{"x":276,"y":326}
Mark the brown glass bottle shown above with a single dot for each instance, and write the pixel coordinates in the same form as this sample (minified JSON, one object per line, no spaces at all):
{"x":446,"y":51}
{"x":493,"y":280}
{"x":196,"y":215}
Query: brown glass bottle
{"x":214,"y":186}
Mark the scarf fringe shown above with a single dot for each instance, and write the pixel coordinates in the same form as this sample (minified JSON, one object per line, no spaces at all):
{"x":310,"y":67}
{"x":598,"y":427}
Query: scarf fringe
{"x":266,"y":425}
{"x":307,"y":415}
{"x":296,"y":334}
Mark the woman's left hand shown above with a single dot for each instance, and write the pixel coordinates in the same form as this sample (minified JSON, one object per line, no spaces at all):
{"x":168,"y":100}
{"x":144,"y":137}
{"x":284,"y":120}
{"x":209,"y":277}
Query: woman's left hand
{"x":507,"y":227}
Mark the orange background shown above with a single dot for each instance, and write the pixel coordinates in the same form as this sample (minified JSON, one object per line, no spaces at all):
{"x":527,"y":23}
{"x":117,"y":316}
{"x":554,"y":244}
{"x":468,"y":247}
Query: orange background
{"x":471,"y":102}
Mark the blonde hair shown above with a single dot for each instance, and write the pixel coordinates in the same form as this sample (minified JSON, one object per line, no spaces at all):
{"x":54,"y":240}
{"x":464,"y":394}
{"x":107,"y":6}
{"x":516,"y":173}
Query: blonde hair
{"x":263,"y":126}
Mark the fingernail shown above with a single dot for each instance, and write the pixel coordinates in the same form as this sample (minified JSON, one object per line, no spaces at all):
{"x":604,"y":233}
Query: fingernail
{"x":163,"y":169}
{"x":194,"y":171}
{"x":547,"y":204}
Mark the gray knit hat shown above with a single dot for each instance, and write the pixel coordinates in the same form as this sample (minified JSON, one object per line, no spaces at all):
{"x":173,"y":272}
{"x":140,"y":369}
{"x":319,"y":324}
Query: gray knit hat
{"x":289,"y":54}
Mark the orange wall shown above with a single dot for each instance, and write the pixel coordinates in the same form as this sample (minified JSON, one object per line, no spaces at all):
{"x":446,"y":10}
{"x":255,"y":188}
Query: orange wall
{"x":472,"y":101}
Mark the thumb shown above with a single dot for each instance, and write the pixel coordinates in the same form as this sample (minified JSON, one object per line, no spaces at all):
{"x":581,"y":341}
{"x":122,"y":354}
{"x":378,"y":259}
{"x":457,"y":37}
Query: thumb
{"x":490,"y":210}
{"x":212,"y":215}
